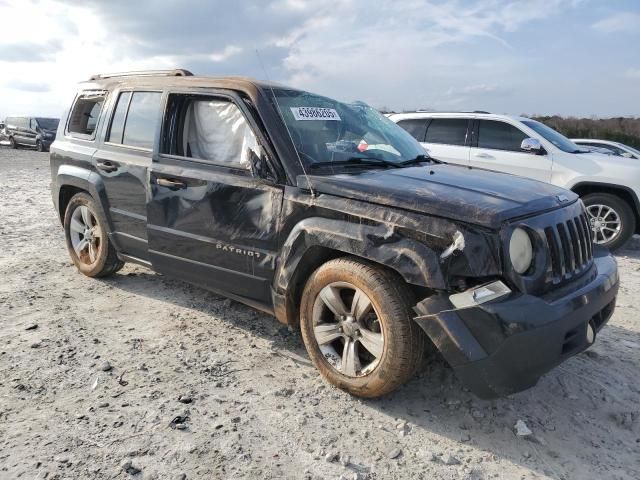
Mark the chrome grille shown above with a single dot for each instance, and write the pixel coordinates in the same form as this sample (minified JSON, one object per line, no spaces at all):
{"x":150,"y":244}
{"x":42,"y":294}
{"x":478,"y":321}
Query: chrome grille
{"x":570,"y":247}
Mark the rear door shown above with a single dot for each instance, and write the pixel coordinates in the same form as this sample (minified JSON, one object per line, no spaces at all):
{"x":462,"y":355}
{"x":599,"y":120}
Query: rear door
{"x":447,"y":139}
{"x":123,"y":160}
{"x":211,"y":221}
{"x":496,"y":146}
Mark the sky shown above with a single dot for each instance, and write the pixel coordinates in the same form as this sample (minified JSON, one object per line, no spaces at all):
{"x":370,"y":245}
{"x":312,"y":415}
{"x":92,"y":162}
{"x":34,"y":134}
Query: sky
{"x":568,"y":57}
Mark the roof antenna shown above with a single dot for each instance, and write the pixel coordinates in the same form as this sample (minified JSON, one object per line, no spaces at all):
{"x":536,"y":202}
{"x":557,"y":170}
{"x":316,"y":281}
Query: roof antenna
{"x":304,"y":171}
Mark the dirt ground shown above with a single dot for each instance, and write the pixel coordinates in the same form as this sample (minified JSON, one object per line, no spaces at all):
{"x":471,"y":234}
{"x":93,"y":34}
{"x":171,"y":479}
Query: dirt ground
{"x":92,"y":374}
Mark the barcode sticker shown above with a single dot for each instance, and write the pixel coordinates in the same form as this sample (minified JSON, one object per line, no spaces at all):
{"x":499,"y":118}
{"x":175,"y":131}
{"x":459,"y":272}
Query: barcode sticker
{"x":314,"y":113}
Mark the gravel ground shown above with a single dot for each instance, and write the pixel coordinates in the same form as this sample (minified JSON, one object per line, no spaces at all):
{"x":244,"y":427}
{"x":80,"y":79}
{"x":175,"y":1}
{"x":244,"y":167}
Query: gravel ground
{"x":138,"y":376}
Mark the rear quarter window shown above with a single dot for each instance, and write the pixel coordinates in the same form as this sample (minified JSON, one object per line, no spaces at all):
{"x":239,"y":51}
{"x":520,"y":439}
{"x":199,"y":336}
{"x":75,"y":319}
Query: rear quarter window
{"x":84,"y":116}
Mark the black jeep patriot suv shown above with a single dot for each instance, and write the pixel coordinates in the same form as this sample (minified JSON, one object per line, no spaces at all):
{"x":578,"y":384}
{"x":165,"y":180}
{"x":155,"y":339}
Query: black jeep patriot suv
{"x":332,"y":218}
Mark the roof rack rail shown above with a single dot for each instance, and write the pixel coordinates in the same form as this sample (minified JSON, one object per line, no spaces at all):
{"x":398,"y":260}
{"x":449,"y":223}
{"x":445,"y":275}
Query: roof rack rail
{"x":447,"y":111}
{"x":177,"y":72}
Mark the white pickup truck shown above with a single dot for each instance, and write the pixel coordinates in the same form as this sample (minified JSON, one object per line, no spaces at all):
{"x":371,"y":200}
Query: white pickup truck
{"x":609,"y":185}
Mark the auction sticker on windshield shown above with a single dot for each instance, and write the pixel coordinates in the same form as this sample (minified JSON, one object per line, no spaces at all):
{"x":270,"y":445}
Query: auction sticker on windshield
{"x":314,"y":113}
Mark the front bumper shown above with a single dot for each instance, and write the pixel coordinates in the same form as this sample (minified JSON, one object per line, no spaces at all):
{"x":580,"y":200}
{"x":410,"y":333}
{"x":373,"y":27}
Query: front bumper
{"x":505,"y":346}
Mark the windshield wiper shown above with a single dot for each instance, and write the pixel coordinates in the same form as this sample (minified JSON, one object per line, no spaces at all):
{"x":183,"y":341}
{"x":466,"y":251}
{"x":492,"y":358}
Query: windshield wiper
{"x":419,"y":159}
{"x":357,"y":161}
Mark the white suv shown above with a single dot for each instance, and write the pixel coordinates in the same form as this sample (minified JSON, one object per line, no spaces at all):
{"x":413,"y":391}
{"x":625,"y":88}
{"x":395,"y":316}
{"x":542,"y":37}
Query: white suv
{"x":609,"y":186}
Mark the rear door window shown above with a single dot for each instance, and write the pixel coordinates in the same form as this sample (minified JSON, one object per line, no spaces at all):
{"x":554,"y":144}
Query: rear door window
{"x":448,"y":131}
{"x":135,"y":119}
{"x":498,"y":135}
{"x":417,"y":127}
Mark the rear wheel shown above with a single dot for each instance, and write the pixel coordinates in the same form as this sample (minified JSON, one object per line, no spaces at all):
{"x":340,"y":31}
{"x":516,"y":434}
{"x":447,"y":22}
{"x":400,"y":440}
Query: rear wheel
{"x":612,"y":219}
{"x":357,"y":326}
{"x":12,"y":143}
{"x":88,"y":244}
{"x":39,"y":146}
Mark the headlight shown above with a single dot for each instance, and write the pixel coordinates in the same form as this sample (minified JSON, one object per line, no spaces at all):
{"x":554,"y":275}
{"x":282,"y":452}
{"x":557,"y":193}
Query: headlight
{"x":520,"y":250}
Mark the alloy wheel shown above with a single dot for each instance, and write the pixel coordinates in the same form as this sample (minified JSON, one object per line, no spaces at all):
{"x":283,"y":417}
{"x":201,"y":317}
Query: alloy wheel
{"x":347,"y":329}
{"x":605,"y":223}
{"x":86,"y":235}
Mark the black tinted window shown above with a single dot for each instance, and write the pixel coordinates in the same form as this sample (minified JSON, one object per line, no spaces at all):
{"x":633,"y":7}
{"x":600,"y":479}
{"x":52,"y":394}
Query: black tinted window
{"x":117,"y":124}
{"x":499,"y":136}
{"x":415,"y":126}
{"x":450,"y":131}
{"x":142,"y":119}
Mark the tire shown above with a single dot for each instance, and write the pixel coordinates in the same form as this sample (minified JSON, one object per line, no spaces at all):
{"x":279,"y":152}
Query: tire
{"x":101,"y":260}
{"x":621,"y":219}
{"x":39,"y":146}
{"x":388,"y":326}
{"x":12,"y":143}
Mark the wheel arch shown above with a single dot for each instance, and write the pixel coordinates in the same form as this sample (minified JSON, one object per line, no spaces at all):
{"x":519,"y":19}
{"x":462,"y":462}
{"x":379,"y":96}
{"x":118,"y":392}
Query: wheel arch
{"x":71,"y":180}
{"x":314,"y":241}
{"x":622,"y":192}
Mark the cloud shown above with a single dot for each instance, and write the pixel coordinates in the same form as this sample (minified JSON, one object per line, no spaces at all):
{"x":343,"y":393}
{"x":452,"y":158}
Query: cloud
{"x":29,"y":51}
{"x":462,"y":54}
{"x":28,"y":86}
{"x":633,"y":73}
{"x":622,"y":22}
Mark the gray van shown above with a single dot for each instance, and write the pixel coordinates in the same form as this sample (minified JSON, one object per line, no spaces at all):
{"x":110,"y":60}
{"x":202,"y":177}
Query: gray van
{"x":38,"y":132}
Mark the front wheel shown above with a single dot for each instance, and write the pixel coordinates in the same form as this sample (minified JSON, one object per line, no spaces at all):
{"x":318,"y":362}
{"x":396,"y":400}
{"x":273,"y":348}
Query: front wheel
{"x":39,"y":146}
{"x":12,"y":143}
{"x":88,"y":244}
{"x":357,"y":326}
{"x":612,"y":219}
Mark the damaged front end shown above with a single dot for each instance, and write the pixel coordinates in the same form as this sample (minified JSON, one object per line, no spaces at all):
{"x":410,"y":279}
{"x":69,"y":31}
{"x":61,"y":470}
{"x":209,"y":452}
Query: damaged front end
{"x":502,"y":334}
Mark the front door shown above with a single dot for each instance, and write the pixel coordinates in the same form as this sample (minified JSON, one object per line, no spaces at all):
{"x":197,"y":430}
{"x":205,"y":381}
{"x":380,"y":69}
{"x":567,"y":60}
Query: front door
{"x":497,"y":147}
{"x":210,"y":220}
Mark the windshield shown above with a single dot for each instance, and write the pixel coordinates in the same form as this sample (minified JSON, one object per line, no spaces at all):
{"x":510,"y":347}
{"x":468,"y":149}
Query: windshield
{"x":48,"y":123}
{"x":559,"y":140}
{"x":325,"y":130}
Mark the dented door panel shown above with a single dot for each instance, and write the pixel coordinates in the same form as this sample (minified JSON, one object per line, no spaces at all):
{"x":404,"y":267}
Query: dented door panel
{"x":218,"y":231}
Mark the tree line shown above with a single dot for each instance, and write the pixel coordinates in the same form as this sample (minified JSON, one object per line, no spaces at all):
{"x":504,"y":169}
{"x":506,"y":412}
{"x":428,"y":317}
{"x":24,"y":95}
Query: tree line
{"x":619,"y":129}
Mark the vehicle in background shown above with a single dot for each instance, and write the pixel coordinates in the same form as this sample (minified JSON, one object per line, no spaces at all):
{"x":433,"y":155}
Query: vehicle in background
{"x":323,"y":214}
{"x":36,"y":132}
{"x":609,"y":186}
{"x":613,"y":148}
{"x":602,"y":151}
{"x":4,"y":140}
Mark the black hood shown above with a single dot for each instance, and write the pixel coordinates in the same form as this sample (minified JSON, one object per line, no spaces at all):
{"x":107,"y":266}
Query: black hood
{"x":474,"y":196}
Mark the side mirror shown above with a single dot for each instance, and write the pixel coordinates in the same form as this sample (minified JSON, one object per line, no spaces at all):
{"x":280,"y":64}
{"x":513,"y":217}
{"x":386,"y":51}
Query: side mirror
{"x":627,"y":155}
{"x":532,"y":145}
{"x":259,"y":164}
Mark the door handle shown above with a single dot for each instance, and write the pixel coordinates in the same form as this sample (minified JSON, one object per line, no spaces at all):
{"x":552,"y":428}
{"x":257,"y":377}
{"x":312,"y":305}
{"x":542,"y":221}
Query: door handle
{"x":107,"y":166}
{"x":171,"y":183}
{"x":483,"y":155}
